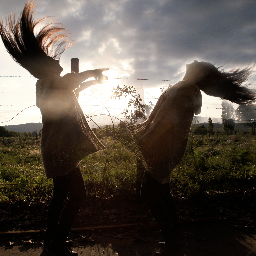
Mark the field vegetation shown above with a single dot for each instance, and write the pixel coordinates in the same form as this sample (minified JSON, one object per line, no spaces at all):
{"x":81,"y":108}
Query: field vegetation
{"x":216,"y":164}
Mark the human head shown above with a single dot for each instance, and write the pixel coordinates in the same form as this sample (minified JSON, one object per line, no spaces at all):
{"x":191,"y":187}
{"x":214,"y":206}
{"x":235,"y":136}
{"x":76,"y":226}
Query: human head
{"x":195,"y":71}
{"x":52,"y":68}
{"x":226,"y":85}
{"x":38,"y":53}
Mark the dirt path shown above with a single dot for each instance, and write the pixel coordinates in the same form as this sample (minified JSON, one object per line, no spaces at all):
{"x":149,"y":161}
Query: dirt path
{"x":219,"y":238}
{"x":223,"y":225}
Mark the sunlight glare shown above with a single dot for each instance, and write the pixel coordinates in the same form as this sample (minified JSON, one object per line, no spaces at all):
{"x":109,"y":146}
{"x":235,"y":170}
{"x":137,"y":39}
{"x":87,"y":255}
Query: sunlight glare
{"x":97,"y":101}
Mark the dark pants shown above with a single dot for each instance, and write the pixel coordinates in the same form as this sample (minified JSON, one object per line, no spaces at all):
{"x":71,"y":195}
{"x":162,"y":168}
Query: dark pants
{"x":68,"y":193}
{"x":160,"y":202}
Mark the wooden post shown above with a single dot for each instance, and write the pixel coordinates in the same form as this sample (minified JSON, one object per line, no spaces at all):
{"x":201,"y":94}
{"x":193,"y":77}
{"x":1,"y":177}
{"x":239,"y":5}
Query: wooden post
{"x":139,"y":176}
{"x":74,"y":65}
{"x":75,"y":69}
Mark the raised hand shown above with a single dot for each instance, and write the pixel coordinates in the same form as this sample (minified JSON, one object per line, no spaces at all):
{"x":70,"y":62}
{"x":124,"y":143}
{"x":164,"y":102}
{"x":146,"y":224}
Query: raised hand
{"x":99,"y":76}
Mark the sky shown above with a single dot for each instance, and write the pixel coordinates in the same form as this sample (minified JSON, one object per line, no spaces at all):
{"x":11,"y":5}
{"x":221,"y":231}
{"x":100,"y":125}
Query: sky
{"x":135,"y":39}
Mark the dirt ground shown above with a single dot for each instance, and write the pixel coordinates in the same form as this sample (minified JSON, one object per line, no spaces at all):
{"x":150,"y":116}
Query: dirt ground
{"x":215,"y":238}
{"x":222,"y":225}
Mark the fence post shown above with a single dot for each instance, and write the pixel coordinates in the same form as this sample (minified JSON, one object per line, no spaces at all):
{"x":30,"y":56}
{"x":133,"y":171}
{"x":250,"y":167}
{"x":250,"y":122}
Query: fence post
{"x":74,"y":65}
{"x":75,"y":69}
{"x":139,"y":176}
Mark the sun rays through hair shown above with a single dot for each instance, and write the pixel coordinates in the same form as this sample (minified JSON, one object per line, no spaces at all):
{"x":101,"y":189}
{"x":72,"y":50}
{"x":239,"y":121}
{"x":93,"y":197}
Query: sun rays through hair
{"x":232,"y":83}
{"x":228,"y":85}
{"x":31,"y":50}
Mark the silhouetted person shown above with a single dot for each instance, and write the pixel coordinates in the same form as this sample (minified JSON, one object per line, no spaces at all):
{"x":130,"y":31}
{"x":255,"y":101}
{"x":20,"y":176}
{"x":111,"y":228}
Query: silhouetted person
{"x":163,"y":137}
{"x":66,"y":135}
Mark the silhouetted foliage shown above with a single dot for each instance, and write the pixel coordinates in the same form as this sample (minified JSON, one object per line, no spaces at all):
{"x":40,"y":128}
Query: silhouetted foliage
{"x":200,"y":130}
{"x":210,"y":126}
{"x":5,"y":133}
{"x":228,"y":125}
{"x":246,"y":112}
{"x":227,"y":110}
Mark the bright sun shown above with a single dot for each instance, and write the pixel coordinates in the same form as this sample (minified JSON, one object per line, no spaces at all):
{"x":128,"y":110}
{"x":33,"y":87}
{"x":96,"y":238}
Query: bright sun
{"x":97,"y":102}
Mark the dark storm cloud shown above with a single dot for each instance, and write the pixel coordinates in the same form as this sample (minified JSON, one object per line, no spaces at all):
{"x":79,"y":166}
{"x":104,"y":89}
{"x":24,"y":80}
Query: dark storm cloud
{"x":155,"y":37}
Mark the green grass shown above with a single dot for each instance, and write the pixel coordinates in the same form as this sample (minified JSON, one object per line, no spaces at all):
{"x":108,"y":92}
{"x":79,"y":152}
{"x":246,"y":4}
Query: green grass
{"x":110,"y":170}
{"x":21,"y":172}
{"x":211,"y":165}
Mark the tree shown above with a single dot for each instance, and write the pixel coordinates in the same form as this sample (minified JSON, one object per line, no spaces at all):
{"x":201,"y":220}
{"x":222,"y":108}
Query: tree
{"x":246,"y":113}
{"x":228,"y":125}
{"x":227,"y":110}
{"x":138,"y":110}
{"x":200,"y":130}
{"x":210,"y":126}
{"x":5,"y":133}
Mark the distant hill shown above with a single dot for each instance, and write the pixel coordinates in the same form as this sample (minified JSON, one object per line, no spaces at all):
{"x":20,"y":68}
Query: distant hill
{"x":29,"y":127}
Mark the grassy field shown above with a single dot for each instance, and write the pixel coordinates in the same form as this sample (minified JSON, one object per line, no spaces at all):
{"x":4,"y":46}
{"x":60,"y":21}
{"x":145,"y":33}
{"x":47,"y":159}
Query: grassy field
{"x":226,"y":164}
{"x":210,"y":165}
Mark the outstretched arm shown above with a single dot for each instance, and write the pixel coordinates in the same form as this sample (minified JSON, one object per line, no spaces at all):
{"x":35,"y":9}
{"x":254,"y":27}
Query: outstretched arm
{"x":97,"y":74}
{"x":73,"y":80}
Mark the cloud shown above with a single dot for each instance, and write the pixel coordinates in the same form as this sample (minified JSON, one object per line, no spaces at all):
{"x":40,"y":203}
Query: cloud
{"x":161,"y":36}
{"x":151,"y":39}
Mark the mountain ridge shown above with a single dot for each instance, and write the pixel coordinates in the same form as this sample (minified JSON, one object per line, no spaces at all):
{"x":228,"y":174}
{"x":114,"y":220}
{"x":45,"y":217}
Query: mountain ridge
{"x":32,"y":127}
{"x":28,"y":127}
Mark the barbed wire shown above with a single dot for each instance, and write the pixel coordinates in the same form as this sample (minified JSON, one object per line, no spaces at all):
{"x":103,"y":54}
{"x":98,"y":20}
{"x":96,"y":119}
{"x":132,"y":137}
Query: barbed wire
{"x":19,"y":92}
{"x":87,"y":116}
{"x":16,"y":76}
{"x":17,"y":114}
{"x":112,"y":78}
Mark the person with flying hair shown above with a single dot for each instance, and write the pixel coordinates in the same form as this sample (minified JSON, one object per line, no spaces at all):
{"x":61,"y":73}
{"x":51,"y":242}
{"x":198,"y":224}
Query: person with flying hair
{"x":66,"y":135}
{"x":163,"y":137}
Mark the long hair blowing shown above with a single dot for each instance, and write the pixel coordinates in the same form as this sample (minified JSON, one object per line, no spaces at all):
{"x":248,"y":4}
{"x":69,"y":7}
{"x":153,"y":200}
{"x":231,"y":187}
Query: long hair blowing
{"x":228,"y":85}
{"x":33,"y":51}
